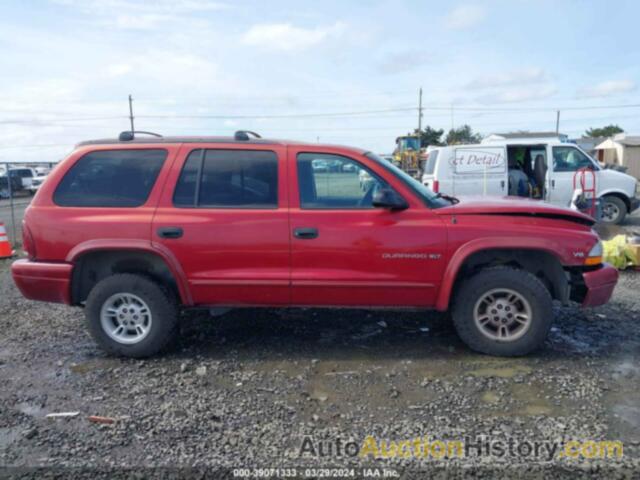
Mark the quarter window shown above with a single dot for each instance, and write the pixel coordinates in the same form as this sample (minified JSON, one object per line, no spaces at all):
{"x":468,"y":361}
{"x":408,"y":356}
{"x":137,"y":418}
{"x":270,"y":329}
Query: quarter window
{"x":110,"y":178}
{"x":228,"y":179}
{"x":335,"y":182}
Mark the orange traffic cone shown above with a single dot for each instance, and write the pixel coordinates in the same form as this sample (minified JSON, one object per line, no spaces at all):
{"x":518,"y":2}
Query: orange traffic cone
{"x":5,"y":246}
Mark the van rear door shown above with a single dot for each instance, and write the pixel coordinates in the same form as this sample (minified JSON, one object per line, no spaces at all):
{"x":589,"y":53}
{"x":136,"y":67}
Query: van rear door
{"x":478,"y":170}
{"x":429,"y":170}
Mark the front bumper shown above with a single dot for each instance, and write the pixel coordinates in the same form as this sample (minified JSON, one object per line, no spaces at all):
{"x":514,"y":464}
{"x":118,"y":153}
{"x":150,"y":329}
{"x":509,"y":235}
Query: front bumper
{"x":599,"y":285}
{"x":47,"y":282}
{"x":634,"y":204}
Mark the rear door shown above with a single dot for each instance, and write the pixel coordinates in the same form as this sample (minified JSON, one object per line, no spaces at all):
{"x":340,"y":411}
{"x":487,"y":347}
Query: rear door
{"x":429,"y":169}
{"x":478,"y":170}
{"x":223,"y":216}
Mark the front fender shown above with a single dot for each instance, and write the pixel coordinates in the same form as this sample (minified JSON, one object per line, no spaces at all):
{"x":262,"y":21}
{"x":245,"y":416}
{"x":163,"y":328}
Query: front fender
{"x":487,"y":243}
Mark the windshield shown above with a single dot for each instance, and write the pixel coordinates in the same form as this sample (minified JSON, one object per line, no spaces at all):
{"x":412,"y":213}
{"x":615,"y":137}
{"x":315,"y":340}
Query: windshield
{"x":428,"y":197}
{"x":409,"y":143}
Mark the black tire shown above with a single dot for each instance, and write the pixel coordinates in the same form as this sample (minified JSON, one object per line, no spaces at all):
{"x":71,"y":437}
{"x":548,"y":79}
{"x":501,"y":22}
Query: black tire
{"x":616,"y":203}
{"x":162,"y":305}
{"x":520,"y":281}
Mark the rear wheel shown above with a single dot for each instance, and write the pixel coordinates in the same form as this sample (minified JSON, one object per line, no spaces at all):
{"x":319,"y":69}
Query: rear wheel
{"x":613,"y":210}
{"x":503,"y":311}
{"x":131,"y":315}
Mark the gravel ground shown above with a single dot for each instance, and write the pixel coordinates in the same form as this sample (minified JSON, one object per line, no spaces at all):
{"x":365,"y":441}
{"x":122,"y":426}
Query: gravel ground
{"x":243,"y":389}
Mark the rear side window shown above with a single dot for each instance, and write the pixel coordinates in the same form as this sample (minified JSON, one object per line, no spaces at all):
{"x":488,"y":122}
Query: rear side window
{"x":228,"y":179}
{"x":110,"y":178}
{"x":430,"y":162}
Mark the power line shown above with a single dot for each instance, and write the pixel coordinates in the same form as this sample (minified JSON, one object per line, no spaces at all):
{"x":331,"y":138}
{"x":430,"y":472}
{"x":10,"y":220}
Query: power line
{"x":354,"y":113}
{"x":286,"y":115}
{"x":50,"y":145}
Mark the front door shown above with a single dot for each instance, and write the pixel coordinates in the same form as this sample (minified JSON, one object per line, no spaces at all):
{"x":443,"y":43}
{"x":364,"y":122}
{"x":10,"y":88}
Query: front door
{"x":567,"y":160}
{"x":346,"y":252}
{"x":224,"y":218}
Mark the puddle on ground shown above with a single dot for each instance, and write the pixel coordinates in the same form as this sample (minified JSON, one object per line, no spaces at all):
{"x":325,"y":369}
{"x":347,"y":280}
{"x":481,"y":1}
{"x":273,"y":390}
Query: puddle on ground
{"x":502,"y":372}
{"x":538,"y":410}
{"x":8,"y":435}
{"x":31,"y":409}
{"x":490,"y":397}
{"x":622,"y":400}
{"x":93,"y":365}
{"x":531,"y":401}
{"x":521,"y":399}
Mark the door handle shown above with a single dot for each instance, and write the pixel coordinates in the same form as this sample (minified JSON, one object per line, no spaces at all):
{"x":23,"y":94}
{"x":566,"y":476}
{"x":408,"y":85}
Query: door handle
{"x":553,"y":184}
{"x":170,"y":232}
{"x":502,"y":184}
{"x":305,"y":233}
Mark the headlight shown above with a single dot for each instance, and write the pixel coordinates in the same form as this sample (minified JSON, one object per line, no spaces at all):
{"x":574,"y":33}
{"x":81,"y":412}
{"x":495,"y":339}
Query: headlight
{"x":595,"y":255}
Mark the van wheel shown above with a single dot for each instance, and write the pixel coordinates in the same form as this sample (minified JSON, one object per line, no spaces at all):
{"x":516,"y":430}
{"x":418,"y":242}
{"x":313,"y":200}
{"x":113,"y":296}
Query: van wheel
{"x":503,"y":311}
{"x":131,"y":315}
{"x":613,"y":210}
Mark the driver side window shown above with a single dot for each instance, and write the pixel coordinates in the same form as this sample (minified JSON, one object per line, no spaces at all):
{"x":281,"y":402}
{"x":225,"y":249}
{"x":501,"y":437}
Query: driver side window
{"x":569,"y":159}
{"x":329,"y":181}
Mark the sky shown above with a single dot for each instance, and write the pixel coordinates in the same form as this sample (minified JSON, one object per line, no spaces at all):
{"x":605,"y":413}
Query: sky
{"x":344,"y":72}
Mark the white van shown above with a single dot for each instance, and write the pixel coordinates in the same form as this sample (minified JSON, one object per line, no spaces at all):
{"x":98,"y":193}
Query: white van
{"x":523,"y":167}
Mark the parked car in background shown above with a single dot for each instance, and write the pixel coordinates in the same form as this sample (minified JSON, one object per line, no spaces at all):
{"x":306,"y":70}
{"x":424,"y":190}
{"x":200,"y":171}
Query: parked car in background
{"x":320,"y":166}
{"x":542,"y":169}
{"x":26,"y":176}
{"x":16,"y":185}
{"x":36,"y":182}
{"x":134,"y":230}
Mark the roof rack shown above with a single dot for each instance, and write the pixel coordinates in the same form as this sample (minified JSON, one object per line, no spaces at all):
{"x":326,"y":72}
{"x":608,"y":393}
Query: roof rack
{"x":243,"y":135}
{"x":129,"y":135}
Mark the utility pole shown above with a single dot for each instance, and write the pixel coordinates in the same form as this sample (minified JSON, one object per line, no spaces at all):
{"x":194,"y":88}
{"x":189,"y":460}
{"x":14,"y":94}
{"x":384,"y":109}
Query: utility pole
{"x":557,"y":122}
{"x":452,"y":116}
{"x":420,"y":111}
{"x":131,"y":113}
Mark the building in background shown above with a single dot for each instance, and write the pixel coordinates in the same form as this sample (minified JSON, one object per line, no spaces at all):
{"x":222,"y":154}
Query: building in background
{"x":623,"y":150}
{"x":525,"y":135}
{"x":589,"y":144}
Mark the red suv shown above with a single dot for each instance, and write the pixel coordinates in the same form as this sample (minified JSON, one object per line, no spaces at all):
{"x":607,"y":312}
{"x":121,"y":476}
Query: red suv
{"x":135,"y":229}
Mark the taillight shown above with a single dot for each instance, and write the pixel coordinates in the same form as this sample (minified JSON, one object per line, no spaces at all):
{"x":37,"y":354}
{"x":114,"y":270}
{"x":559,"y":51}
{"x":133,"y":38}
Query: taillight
{"x":28,"y":245}
{"x":435,"y":186}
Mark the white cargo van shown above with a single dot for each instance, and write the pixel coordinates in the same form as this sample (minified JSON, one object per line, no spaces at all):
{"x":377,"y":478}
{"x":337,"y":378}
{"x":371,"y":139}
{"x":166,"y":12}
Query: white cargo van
{"x":539,"y":168}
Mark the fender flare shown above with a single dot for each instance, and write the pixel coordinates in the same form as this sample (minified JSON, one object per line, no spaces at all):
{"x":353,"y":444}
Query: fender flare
{"x":616,"y":192}
{"x":141,"y":245}
{"x":487,"y":243}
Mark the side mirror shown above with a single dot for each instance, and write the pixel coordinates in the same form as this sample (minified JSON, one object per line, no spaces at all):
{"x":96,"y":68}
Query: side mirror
{"x":386,"y":197}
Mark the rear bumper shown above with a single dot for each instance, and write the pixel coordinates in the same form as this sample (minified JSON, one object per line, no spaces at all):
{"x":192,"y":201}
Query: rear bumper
{"x":599,"y":285}
{"x":634,"y":204}
{"x":47,"y":282}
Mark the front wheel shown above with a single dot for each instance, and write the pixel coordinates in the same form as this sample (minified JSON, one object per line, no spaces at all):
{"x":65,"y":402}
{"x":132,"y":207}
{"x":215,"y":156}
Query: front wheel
{"x":613,"y":210}
{"x":503,"y":311}
{"x":131,"y":315}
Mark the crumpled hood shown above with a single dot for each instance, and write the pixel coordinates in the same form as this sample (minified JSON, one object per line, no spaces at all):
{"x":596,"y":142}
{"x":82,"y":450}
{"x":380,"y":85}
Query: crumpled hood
{"x":516,"y":206}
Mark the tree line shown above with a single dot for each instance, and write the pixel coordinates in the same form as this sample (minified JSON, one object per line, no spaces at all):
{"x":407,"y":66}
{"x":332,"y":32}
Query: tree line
{"x":465,"y":135}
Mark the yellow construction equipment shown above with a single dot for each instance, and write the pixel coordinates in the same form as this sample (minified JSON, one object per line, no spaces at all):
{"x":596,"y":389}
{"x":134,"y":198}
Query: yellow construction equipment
{"x":407,"y":154}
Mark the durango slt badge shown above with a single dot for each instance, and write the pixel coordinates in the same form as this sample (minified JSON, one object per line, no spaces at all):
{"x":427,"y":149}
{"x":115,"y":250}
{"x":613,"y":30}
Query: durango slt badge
{"x":413,"y":256}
